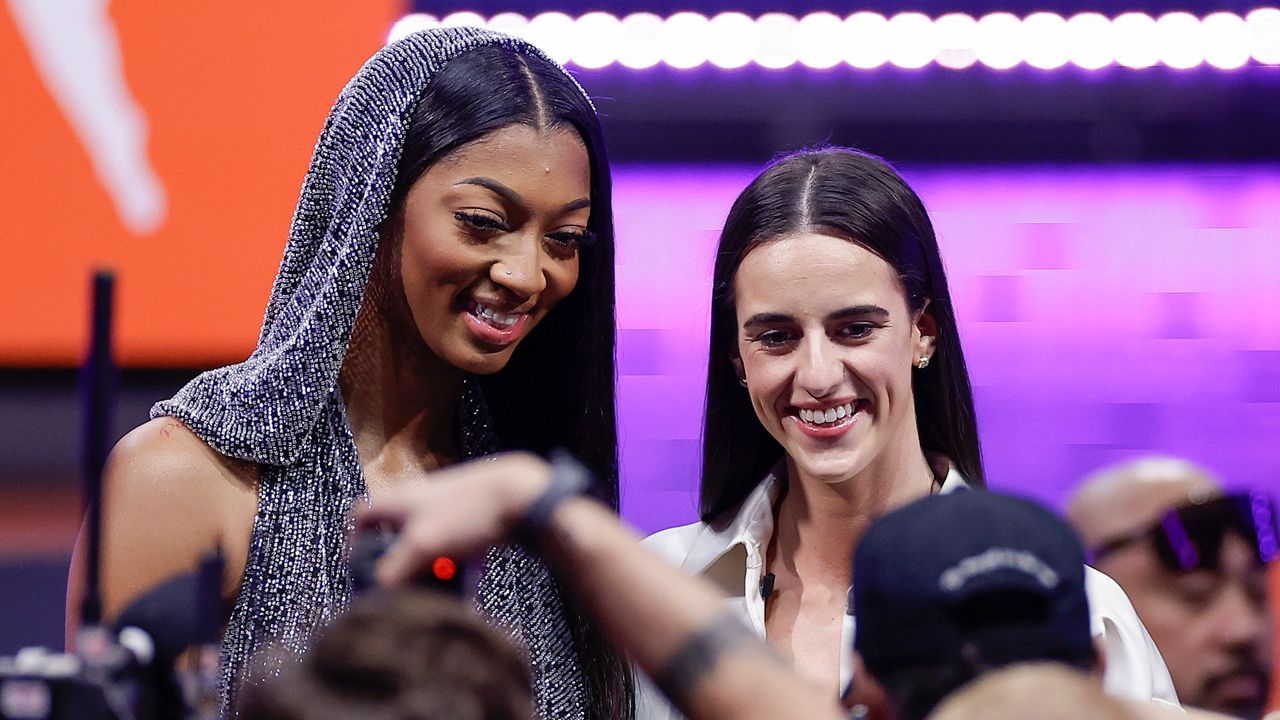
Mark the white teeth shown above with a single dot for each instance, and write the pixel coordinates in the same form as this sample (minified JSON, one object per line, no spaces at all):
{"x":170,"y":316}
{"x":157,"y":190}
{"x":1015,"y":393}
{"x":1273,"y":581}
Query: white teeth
{"x":500,"y":319}
{"x":825,"y":417}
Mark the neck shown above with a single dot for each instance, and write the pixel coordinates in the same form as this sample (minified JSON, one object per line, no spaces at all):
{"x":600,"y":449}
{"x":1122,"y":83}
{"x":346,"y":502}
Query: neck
{"x":819,"y":523}
{"x":401,"y":398}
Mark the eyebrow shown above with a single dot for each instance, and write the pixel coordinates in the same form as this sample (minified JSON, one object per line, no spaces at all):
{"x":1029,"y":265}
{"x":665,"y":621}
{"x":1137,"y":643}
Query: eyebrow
{"x":514,"y":198}
{"x":841,"y":314}
{"x":858,"y":311}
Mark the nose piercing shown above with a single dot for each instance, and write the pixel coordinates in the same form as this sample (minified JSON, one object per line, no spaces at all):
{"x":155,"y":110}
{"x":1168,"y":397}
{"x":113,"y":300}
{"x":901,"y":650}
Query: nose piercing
{"x":508,"y":272}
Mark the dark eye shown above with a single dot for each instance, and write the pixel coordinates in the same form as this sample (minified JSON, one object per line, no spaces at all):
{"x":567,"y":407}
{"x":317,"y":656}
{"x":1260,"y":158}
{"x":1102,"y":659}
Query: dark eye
{"x":571,"y":238}
{"x":1196,"y":589}
{"x":773,"y":339}
{"x":481,"y":222}
{"x":856,"y":331}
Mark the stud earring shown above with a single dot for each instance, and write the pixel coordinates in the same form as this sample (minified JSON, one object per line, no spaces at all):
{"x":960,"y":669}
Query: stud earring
{"x":924,"y":362}
{"x":742,"y":381}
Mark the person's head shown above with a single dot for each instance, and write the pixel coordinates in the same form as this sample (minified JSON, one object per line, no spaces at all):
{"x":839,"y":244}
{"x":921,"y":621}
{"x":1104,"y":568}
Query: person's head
{"x":396,"y":655}
{"x":951,"y":586}
{"x":1191,"y":560}
{"x":1047,"y":691}
{"x":497,"y":251}
{"x":833,"y":338}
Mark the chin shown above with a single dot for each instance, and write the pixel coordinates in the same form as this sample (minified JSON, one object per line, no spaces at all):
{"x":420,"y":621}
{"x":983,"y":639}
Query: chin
{"x":481,"y":363}
{"x":829,"y":470}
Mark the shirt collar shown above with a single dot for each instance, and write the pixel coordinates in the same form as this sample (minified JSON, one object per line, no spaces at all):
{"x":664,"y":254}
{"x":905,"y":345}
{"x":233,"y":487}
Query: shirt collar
{"x":751,"y":525}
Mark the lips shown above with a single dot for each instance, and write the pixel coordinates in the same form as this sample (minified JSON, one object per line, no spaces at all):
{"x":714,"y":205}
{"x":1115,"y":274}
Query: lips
{"x":829,"y":420}
{"x":494,"y":326}
{"x":1239,"y":688}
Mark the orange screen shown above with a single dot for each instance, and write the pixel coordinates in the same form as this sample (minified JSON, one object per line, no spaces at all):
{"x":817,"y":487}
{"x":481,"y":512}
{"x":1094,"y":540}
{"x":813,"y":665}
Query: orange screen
{"x":220,"y":106}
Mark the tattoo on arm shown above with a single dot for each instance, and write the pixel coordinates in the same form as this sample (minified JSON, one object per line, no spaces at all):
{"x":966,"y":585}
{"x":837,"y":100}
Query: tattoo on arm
{"x":700,"y":653}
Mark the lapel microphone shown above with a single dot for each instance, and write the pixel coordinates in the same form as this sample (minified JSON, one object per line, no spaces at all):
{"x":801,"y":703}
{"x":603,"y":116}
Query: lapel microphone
{"x":766,"y":586}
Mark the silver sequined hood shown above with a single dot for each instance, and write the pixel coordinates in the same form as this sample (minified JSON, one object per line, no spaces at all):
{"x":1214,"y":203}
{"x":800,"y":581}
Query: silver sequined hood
{"x":263,"y":409}
{"x":281,"y":408}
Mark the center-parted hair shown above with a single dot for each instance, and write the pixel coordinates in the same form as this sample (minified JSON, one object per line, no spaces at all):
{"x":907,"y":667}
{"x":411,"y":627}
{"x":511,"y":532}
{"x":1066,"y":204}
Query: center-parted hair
{"x":858,"y":197}
{"x":557,"y":391}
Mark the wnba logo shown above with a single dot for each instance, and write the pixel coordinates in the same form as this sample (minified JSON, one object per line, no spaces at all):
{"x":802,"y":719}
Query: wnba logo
{"x":75,"y":46}
{"x":166,"y":140}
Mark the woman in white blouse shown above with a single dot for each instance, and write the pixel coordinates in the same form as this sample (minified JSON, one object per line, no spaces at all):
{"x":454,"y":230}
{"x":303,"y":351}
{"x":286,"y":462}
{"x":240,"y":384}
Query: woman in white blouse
{"x":836,"y":391}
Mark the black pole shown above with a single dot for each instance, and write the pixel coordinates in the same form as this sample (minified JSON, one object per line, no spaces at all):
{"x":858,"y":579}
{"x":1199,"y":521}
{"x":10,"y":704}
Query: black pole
{"x":97,"y":401}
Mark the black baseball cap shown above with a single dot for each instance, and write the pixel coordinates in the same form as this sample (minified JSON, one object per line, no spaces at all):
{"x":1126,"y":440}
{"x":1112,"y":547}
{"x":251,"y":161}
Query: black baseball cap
{"x":972,"y":576}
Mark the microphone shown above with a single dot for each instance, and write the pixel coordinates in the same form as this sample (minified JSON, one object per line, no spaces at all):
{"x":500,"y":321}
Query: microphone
{"x":766,"y":586}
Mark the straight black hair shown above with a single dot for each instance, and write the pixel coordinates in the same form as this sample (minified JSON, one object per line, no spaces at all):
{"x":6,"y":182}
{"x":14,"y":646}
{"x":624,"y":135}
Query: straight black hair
{"x":558,"y":389}
{"x":858,"y":197}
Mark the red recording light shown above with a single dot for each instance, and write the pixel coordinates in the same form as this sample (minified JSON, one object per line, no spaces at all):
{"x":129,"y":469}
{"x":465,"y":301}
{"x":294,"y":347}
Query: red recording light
{"x":444,"y":568}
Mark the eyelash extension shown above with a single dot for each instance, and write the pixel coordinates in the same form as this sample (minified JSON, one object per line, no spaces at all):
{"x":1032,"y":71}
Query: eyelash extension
{"x":485,"y":223}
{"x":478,"y":221}
{"x":573,"y":238}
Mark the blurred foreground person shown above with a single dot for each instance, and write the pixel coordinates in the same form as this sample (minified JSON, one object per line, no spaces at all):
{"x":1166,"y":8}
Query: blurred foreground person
{"x":1192,"y":561}
{"x":992,"y":581}
{"x":400,"y":654}
{"x":1051,"y":691}
{"x":1045,"y":691}
{"x":675,"y":627}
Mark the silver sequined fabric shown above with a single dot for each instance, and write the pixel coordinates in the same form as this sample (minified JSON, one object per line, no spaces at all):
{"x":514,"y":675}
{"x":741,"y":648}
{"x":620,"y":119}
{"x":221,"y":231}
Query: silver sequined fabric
{"x":282,"y":409}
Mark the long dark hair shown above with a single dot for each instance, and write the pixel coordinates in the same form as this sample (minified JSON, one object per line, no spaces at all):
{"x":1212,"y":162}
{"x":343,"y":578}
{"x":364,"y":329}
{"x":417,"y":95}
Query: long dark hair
{"x":859,"y":197}
{"x":558,"y":388}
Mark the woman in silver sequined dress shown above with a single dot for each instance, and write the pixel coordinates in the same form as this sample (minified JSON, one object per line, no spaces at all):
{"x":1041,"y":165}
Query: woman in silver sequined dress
{"x":446,"y":292}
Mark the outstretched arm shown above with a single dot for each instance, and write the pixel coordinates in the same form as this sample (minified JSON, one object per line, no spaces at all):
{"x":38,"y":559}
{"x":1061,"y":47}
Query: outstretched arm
{"x":675,"y":627}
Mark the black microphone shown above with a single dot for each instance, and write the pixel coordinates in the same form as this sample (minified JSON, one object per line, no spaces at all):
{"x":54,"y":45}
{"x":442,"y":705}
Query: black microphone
{"x":766,"y":586}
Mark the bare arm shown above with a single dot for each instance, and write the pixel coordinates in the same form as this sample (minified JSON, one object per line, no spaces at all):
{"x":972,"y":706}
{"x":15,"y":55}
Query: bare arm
{"x":674,"y":626}
{"x":167,"y":499}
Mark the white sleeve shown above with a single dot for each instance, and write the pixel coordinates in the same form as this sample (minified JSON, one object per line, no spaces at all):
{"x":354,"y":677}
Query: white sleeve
{"x":1134,"y":668}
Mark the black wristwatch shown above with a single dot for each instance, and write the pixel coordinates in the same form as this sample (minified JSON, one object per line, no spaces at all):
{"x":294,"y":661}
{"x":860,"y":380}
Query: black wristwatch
{"x":568,"y":478}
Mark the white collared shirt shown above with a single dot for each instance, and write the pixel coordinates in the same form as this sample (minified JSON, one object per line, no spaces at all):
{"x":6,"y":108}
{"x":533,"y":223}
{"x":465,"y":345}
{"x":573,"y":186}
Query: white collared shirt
{"x":732,"y":556}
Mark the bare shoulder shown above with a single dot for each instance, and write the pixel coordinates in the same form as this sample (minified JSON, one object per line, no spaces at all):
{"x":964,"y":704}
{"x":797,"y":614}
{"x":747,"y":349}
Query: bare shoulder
{"x":164,"y":460}
{"x":168,"y":498}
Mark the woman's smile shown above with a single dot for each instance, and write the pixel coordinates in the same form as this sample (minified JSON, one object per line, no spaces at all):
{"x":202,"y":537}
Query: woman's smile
{"x":827,"y":344}
{"x":490,"y":242}
{"x":494,"y":326}
{"x":828,"y":421}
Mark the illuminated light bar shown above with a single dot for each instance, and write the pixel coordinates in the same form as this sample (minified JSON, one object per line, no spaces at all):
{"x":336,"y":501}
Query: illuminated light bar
{"x":867,"y":40}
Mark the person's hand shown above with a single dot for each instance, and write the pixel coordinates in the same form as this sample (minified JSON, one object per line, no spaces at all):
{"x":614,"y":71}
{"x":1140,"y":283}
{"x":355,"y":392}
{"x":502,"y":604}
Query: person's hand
{"x":458,"y":511}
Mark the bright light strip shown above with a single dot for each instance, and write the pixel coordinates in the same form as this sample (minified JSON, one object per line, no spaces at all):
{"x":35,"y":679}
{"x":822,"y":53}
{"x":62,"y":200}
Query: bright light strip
{"x":866,"y":40}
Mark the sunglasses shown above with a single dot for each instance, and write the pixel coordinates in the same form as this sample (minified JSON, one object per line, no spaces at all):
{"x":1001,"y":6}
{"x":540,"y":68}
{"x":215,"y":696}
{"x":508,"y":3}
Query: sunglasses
{"x":1190,"y":537}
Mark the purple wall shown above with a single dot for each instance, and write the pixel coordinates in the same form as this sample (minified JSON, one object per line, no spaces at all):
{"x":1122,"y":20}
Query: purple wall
{"x":1105,"y":313}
